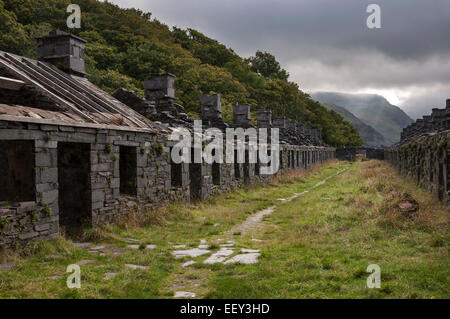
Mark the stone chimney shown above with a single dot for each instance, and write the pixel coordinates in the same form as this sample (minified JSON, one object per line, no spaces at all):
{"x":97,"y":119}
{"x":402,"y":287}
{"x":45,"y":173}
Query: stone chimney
{"x":241,"y":115}
{"x":308,"y":133}
{"x":319,"y":135}
{"x":300,"y":128}
{"x":292,"y":125}
{"x":264,"y":118}
{"x":210,"y":107}
{"x":280,"y":122}
{"x":63,"y":50}
{"x":160,"y":86}
{"x":427,"y":123}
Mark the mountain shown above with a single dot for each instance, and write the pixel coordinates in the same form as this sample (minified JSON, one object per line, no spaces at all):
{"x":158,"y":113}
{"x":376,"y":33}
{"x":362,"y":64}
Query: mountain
{"x":126,"y":45}
{"x":371,"y":137}
{"x":374,"y":110}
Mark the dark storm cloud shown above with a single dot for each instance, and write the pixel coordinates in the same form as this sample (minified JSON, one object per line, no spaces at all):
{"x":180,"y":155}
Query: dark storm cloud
{"x":325,"y":44}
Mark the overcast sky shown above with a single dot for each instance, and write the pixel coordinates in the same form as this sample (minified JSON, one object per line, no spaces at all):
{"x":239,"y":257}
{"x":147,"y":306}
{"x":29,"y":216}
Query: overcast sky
{"x":326,"y":46}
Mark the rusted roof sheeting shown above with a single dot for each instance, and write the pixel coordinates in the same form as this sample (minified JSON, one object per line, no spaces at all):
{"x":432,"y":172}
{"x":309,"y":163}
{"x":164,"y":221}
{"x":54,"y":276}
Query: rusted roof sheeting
{"x":75,"y":95}
{"x":20,"y":113}
{"x":23,"y":111}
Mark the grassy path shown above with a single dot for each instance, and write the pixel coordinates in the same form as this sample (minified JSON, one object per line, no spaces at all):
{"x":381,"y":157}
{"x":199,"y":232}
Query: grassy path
{"x":317,"y":243}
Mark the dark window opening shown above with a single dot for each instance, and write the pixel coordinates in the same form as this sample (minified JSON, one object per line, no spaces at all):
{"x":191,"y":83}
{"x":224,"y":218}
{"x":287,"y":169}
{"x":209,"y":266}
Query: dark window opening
{"x":418,"y":171}
{"x":257,"y":166}
{"x":292,"y":159}
{"x":17,"y":175}
{"x":216,"y":173}
{"x":128,"y":170}
{"x":431,"y":171}
{"x":237,"y":166}
{"x":441,"y":176}
{"x":247,"y":166}
{"x":195,"y":176}
{"x":447,"y":169}
{"x":75,"y":197}
{"x":215,"y":170}
{"x":281,"y":159}
{"x":289,"y":159}
{"x":176,"y":173}
{"x":303,"y":159}
{"x":269,"y":154}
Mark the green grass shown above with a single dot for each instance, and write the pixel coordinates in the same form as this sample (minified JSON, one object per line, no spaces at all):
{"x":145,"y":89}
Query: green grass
{"x":316,"y":246}
{"x":319,"y":245}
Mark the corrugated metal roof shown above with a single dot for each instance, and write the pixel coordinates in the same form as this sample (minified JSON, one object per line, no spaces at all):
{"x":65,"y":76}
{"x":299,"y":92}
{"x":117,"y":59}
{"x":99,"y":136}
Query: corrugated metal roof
{"x":73,"y":95}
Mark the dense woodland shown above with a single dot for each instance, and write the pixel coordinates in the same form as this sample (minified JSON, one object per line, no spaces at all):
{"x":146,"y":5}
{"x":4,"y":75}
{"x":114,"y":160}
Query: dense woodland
{"x":125,"y":45}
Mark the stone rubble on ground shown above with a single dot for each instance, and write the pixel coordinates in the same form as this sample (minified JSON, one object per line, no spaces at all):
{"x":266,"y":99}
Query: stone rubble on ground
{"x":184,"y":294}
{"x":6,"y":266}
{"x":245,"y":250}
{"x":86,"y":261}
{"x":219,"y":256}
{"x":226,"y":245}
{"x":188,"y":263}
{"x":81,"y":245}
{"x":244,"y":259}
{"x":139,"y":267}
{"x":53,"y":256}
{"x":110,"y":275}
{"x":97,"y":248}
{"x":130,"y":240}
{"x":133,"y":246}
{"x":195,"y":252}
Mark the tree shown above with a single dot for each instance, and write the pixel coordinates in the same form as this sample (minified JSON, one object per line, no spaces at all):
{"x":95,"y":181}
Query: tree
{"x":266,"y":65}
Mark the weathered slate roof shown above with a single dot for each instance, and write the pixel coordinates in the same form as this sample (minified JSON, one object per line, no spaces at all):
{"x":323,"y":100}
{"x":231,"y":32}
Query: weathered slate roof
{"x":76,"y":98}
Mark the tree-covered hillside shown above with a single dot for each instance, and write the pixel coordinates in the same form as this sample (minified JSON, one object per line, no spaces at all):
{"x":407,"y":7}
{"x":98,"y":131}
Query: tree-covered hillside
{"x":125,"y":45}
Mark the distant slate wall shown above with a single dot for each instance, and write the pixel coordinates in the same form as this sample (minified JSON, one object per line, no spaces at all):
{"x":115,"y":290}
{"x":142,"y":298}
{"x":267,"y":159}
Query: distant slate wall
{"x":349,"y":153}
{"x":425,"y":159}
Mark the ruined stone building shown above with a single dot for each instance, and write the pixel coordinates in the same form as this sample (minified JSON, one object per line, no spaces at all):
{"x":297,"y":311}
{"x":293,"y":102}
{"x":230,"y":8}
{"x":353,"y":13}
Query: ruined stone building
{"x":422,"y":152}
{"x":73,"y":155}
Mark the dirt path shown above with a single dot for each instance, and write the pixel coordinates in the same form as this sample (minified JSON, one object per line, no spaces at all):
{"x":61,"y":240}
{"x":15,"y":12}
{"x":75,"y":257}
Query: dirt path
{"x":250,"y":223}
{"x":190,"y":280}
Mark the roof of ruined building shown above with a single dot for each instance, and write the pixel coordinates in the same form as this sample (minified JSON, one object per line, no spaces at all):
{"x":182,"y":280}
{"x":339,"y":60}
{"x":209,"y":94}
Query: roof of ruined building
{"x":77,"y":100}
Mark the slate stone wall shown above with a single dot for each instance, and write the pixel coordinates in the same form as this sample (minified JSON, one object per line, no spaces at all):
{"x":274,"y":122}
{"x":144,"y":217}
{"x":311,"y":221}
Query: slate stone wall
{"x":23,"y":221}
{"x":426,"y":160}
{"x":39,"y":219}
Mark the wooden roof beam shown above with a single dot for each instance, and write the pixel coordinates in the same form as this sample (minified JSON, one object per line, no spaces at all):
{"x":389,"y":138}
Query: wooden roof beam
{"x":11,"y":84}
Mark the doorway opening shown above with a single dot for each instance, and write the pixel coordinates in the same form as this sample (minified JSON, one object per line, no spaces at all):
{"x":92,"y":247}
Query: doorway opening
{"x":74,"y":169}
